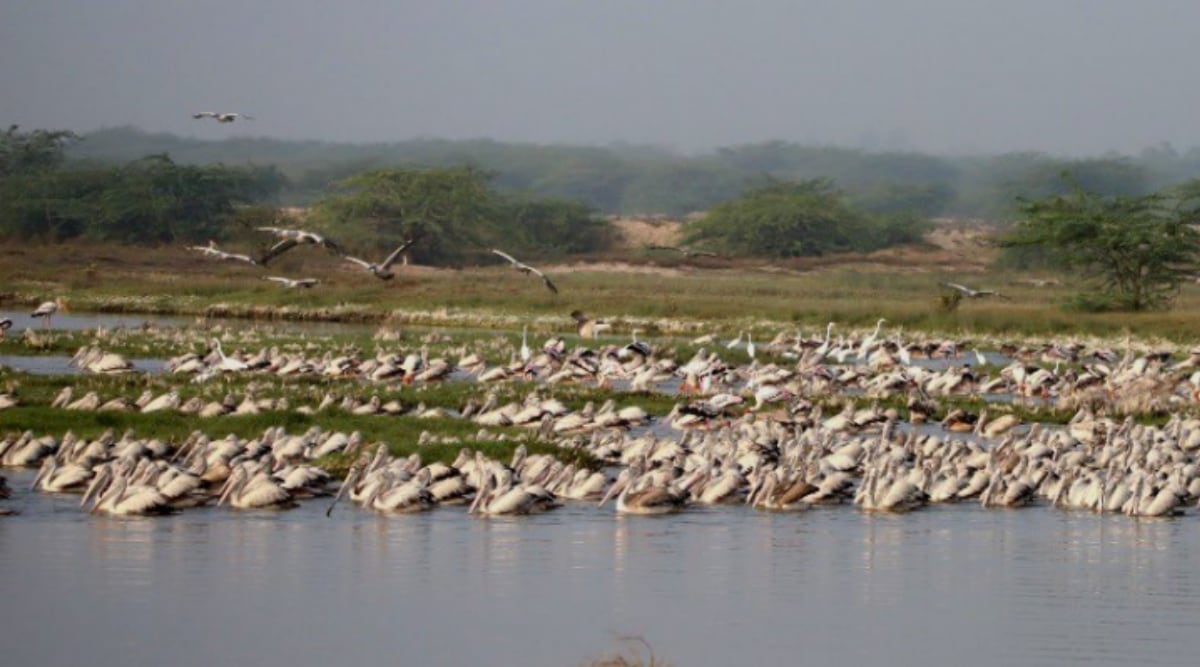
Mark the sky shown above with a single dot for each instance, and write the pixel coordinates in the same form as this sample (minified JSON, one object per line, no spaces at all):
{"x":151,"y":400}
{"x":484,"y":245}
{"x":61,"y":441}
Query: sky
{"x":1069,"y":77}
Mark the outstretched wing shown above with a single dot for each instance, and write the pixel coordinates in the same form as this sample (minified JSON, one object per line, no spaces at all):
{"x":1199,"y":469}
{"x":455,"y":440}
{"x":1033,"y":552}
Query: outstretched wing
{"x":279,"y":279}
{"x":361,"y":262}
{"x":277,"y":250}
{"x":277,"y":231}
{"x":205,"y":114}
{"x":512,"y":260}
{"x":546,"y":280}
{"x":391,"y":259}
{"x":962,"y":288}
{"x":307,"y":282}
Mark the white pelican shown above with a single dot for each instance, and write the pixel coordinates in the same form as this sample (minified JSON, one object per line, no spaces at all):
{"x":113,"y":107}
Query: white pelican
{"x":258,"y":492}
{"x":294,"y":283}
{"x":47,"y":310}
{"x":382,"y":269}
{"x":639,"y":495}
{"x":290,"y":238}
{"x":222,"y":116}
{"x":211,"y":251}
{"x":526,"y":269}
{"x":973,"y":293}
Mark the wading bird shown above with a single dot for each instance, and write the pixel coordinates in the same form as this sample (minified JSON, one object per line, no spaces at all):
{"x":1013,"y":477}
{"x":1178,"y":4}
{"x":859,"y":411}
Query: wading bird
{"x":383,"y":269}
{"x":973,"y":293}
{"x":5,"y":324}
{"x":290,"y":238}
{"x":293,"y":283}
{"x":222,"y":116}
{"x":526,"y":269}
{"x":47,"y":310}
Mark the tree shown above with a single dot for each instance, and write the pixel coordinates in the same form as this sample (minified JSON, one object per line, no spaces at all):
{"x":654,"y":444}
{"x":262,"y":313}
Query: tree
{"x":1137,"y":249}
{"x":785,"y":219}
{"x":26,"y":152}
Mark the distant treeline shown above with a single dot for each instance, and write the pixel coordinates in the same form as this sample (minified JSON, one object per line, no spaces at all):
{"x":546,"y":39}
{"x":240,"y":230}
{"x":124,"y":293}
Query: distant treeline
{"x":638,"y":179}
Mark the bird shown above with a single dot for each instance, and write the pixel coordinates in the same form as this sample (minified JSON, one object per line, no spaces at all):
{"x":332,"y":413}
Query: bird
{"x":973,"y":293}
{"x":382,"y":270}
{"x":47,"y":309}
{"x":290,"y":238}
{"x":586,"y":326}
{"x":683,"y":251}
{"x":5,"y":324}
{"x":222,"y":116}
{"x":526,"y":269}
{"x":293,"y":283}
{"x":211,"y":250}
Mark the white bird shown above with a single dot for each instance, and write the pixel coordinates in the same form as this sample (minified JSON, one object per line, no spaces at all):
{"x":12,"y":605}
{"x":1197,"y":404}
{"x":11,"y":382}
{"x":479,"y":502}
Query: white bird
{"x":227,"y":364}
{"x":211,"y":251}
{"x":47,"y":309}
{"x":526,"y":353}
{"x":290,"y":238}
{"x":382,"y":270}
{"x":973,"y":293}
{"x":750,"y":345}
{"x":293,"y":283}
{"x":736,"y":341}
{"x":222,"y":116}
{"x":526,"y":269}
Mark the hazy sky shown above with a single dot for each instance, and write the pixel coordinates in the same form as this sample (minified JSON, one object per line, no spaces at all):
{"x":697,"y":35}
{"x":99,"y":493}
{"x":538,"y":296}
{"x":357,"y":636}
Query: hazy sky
{"x":1079,"y":76}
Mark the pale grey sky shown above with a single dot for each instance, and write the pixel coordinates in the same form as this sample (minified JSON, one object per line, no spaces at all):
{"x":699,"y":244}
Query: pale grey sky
{"x":1062,"y":76}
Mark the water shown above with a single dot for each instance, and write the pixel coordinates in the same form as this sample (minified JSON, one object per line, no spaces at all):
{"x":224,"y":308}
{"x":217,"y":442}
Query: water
{"x":61,"y":365}
{"x":77,"y":322}
{"x":945,"y":586}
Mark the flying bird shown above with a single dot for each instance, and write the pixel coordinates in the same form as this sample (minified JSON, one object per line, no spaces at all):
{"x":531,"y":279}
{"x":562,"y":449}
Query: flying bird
{"x":683,"y":251}
{"x":222,"y":117}
{"x":293,"y":283}
{"x":382,"y":270}
{"x":290,"y":238}
{"x":526,"y":269}
{"x":211,"y":250}
{"x":973,"y":293}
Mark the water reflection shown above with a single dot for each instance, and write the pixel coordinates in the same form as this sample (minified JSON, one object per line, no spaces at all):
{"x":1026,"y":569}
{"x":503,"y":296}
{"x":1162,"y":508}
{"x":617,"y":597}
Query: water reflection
{"x":946,"y":585}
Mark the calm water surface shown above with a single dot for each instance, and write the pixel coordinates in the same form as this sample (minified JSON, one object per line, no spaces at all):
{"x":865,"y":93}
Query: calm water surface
{"x":944,"y":586}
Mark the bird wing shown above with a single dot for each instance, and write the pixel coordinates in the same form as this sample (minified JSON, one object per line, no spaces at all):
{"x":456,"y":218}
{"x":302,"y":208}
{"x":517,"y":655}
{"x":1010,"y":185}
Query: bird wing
{"x":278,"y":249}
{"x":361,"y":262}
{"x":279,"y":279}
{"x":242,"y":258}
{"x":962,"y":288}
{"x":391,"y":259}
{"x":278,"y":231}
{"x":510,"y":258}
{"x":546,"y":279}
{"x":204,"y":114}
{"x":307,"y":282}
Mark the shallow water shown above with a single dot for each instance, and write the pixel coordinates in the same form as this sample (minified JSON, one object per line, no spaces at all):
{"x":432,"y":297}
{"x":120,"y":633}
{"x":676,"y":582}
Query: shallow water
{"x":61,"y":365}
{"x":952,"y":585}
{"x":78,"y":321}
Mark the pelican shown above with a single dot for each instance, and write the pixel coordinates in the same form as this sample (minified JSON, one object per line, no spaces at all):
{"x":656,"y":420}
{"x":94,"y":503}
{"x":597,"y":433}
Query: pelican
{"x":382,"y":270}
{"x":290,"y":238}
{"x":973,"y":293}
{"x":222,"y":116}
{"x":526,"y":269}
{"x":294,"y":283}
{"x":639,"y":495}
{"x":211,"y":250}
{"x":258,"y":492}
{"x":47,"y":310}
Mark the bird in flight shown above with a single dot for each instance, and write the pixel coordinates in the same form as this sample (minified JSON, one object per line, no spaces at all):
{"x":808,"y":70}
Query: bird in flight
{"x":973,"y":293}
{"x":290,"y":238}
{"x":222,"y":117}
{"x":383,"y":269}
{"x":211,"y":250}
{"x":526,"y":269}
{"x":683,"y":251}
{"x":293,"y":283}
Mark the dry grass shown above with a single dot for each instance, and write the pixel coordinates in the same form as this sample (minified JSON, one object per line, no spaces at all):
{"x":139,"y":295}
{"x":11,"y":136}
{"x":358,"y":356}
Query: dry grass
{"x":728,"y":297}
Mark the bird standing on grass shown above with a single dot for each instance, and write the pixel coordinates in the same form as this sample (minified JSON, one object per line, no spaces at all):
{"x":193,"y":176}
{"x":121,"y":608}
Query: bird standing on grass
{"x":526,"y":269}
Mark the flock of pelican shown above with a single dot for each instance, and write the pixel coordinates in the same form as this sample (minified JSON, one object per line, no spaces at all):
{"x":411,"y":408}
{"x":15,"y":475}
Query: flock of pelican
{"x":768,"y":434}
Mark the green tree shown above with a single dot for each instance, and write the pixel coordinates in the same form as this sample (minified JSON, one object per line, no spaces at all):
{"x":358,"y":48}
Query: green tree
{"x":784,"y":219}
{"x":1137,"y":249}
{"x":26,"y":152}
